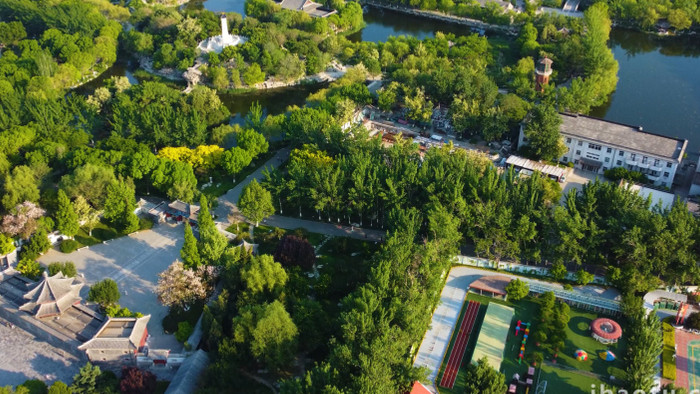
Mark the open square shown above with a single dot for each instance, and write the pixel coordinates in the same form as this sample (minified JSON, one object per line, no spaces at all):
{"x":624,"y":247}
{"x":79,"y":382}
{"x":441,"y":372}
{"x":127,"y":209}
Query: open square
{"x":134,"y":262}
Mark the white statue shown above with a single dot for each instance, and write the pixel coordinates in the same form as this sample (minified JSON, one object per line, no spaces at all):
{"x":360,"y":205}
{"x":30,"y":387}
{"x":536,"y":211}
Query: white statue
{"x":218,"y":43}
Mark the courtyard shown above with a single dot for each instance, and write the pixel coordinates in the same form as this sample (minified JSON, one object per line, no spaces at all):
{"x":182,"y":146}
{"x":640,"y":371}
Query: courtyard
{"x":23,"y":358}
{"x":134,"y":262}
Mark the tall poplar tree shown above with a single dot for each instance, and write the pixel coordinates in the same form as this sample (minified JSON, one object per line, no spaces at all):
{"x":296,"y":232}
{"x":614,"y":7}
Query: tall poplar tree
{"x":66,"y":218}
{"x":189,"y":252}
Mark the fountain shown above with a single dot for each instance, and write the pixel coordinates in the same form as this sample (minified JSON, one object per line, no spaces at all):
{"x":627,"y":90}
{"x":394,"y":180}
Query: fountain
{"x":218,"y":43}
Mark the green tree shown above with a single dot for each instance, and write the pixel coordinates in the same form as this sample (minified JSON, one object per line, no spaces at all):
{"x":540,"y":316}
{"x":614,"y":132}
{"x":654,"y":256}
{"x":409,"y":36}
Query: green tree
{"x":252,"y":141}
{"x":90,"y":181}
{"x":253,"y":75}
{"x":679,"y":19}
{"x":59,"y":387}
{"x":517,"y":289}
{"x":542,"y":132}
{"x":38,"y":244}
{"x":66,"y":218}
{"x":211,"y":242}
{"x":105,"y":293}
{"x":120,"y":205}
{"x":189,"y":252}
{"x":29,"y":267}
{"x":558,"y":271}
{"x":7,"y":244}
{"x":235,"y":160}
{"x":263,"y":279}
{"x":256,"y":202}
{"x":219,"y":77}
{"x":483,"y":379}
{"x":644,"y":345}
{"x":269,"y":332}
{"x":87,"y":215}
{"x":85,"y":381}
{"x":67,"y":268}
{"x":583,"y":278}
{"x":21,"y":185}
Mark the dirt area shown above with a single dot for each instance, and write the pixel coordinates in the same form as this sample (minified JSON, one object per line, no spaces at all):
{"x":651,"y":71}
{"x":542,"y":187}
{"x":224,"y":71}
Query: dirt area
{"x":25,"y":357}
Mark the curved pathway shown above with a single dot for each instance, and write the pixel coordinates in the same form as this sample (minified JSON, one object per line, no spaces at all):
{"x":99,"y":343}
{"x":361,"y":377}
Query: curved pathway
{"x":227,"y":206}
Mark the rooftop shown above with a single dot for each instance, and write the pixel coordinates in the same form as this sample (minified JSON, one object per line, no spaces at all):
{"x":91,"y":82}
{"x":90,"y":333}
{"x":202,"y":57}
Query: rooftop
{"x":622,"y":136}
{"x":493,"y":284}
{"x":119,"y":333}
{"x":52,"y":296}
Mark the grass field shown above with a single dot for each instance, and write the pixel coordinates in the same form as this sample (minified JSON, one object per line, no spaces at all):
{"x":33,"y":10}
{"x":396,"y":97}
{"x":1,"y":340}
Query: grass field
{"x":569,"y":375}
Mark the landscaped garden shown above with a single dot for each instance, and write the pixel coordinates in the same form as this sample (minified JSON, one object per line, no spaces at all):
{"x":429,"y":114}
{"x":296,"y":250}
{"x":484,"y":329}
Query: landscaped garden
{"x":567,"y":374}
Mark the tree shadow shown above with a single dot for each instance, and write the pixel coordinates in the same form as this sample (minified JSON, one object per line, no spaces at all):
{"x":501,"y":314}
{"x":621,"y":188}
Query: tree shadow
{"x":580,"y":325}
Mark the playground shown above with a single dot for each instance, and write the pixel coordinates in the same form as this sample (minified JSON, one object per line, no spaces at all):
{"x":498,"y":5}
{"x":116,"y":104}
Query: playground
{"x":568,"y":374}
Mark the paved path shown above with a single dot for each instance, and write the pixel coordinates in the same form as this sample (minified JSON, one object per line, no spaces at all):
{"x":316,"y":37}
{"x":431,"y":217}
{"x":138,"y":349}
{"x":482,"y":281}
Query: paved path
{"x":437,"y":339}
{"x":26,"y":357}
{"x":227,"y":206}
{"x":227,"y":202}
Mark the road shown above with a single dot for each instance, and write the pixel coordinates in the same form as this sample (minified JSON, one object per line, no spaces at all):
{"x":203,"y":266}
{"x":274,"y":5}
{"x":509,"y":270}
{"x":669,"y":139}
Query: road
{"x":227,"y":206}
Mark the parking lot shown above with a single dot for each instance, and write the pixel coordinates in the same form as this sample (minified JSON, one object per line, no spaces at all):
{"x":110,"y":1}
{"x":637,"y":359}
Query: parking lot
{"x":134,"y":262}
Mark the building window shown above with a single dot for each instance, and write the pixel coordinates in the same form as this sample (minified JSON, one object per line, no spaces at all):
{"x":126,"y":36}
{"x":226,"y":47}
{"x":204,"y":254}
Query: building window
{"x":566,"y":159}
{"x":580,"y":143}
{"x":633,"y":156}
{"x":594,"y":147}
{"x":609,"y":150}
{"x":656,"y":162}
{"x":668,"y":165}
{"x":621,"y":153}
{"x":619,"y":163}
{"x":654,"y":173}
{"x":568,"y":140}
{"x":644,"y":160}
{"x":578,"y":152}
{"x":607,"y":160}
{"x":666,"y":174}
{"x":575,"y":161}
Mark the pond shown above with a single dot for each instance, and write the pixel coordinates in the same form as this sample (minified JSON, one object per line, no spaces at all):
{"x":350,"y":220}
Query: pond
{"x":658,"y":87}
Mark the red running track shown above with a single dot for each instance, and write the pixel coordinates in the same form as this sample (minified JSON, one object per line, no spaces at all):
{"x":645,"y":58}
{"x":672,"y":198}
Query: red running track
{"x":460,"y":345}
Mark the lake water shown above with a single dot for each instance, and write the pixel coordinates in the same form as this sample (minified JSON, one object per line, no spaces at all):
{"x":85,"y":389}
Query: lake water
{"x":658,"y":87}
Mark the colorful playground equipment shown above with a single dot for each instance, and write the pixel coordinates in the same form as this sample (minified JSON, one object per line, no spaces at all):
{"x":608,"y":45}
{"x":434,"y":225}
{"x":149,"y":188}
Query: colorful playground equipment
{"x":525,"y":327}
{"x":581,"y":355}
{"x":607,"y":355}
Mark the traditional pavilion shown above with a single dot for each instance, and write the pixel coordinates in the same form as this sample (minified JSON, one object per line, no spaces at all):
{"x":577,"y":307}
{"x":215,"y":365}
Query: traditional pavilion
{"x":118,"y":340}
{"x":52,"y":296}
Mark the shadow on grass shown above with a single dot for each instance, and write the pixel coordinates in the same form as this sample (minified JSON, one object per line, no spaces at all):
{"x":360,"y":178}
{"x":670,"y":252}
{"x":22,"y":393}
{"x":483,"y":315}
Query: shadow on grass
{"x":177,"y":315}
{"x":580,"y":325}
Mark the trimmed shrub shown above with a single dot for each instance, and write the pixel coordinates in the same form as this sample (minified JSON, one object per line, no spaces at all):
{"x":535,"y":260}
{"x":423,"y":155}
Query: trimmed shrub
{"x":67,"y":268}
{"x":184,"y":330}
{"x":69,"y":245}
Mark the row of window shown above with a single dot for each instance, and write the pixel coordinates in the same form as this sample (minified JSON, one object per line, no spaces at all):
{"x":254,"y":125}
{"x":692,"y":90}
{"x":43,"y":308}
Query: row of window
{"x":633,"y":156}
{"x":629,"y":167}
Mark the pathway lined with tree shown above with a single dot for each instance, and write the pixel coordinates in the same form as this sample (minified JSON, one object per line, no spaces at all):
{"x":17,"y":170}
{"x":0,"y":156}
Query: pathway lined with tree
{"x":228,"y":208}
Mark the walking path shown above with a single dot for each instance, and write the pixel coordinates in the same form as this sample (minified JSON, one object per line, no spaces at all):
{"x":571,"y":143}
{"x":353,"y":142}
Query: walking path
{"x":227,"y":206}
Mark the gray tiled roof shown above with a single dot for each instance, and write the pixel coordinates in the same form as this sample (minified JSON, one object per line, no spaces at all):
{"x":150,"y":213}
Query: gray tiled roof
{"x":187,"y":376}
{"x":122,"y":342}
{"x":51,"y":296}
{"x":622,"y":136}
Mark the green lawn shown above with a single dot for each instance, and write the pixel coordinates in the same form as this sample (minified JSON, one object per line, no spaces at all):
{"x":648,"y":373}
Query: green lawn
{"x":561,"y":380}
{"x":563,"y":376}
{"x":101,"y":232}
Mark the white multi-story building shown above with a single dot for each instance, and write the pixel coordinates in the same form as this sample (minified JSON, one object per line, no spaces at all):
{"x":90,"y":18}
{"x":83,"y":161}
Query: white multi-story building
{"x":597,"y":145}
